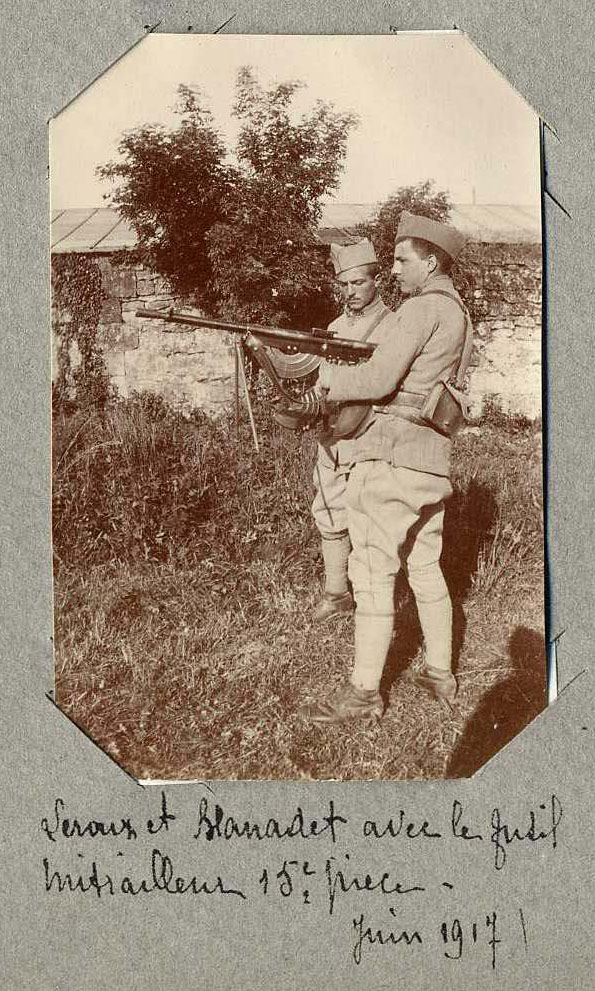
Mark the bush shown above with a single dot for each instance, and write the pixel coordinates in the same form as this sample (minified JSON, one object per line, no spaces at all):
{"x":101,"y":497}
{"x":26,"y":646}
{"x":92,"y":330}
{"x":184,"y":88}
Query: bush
{"x":139,"y":481}
{"x":187,"y":575}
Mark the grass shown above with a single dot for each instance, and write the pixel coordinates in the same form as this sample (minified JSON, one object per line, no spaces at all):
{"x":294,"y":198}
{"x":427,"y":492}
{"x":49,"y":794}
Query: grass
{"x":186,"y":569}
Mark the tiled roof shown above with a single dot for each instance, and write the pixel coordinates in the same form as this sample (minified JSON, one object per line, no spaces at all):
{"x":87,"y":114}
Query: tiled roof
{"x":89,"y":230}
{"x":500,"y":223}
{"x":102,"y":230}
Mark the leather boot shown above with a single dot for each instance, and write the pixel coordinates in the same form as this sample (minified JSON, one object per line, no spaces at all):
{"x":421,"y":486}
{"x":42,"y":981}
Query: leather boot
{"x":440,"y":684}
{"x":332,"y":605}
{"x":346,"y":704}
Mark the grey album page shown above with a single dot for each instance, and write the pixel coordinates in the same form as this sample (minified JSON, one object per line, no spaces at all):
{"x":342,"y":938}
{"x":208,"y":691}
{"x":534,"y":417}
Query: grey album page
{"x":233,"y":838}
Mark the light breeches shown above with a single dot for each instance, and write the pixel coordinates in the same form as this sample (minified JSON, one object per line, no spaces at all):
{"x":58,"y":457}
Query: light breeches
{"x":394,"y":517}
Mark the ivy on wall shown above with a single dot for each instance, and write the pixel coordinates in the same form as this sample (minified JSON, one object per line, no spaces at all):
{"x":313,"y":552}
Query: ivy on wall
{"x":499,"y":280}
{"x":77,"y":298}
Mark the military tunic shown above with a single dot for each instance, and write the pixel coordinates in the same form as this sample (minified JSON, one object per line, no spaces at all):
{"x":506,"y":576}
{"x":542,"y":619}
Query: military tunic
{"x":387,"y":487}
{"x":334,"y":463}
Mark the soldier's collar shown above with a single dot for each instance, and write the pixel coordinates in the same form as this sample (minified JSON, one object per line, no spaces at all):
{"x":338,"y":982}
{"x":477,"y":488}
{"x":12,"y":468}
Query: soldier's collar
{"x":436,"y":281}
{"x":367,"y":310}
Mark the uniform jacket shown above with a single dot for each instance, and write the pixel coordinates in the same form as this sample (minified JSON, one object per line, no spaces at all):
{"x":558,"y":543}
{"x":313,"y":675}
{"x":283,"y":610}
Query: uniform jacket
{"x":417,"y":346}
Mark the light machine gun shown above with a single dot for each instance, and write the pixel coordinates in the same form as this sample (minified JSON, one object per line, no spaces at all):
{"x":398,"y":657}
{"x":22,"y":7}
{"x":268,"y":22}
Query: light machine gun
{"x":291,"y":354}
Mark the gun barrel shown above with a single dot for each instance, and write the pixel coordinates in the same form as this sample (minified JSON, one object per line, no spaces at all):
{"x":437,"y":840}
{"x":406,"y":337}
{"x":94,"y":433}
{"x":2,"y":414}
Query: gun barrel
{"x":327,"y":346}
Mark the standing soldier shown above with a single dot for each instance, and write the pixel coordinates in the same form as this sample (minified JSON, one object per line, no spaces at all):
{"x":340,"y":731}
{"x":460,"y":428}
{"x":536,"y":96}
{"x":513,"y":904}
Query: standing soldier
{"x":357,"y":274}
{"x":380,"y":496}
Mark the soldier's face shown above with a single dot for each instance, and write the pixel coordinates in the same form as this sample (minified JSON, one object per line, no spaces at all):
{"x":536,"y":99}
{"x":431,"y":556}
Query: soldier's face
{"x":358,"y":287}
{"x":411,"y":271}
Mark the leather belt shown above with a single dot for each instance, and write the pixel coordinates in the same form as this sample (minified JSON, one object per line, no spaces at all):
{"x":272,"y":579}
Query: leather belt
{"x":410,"y":400}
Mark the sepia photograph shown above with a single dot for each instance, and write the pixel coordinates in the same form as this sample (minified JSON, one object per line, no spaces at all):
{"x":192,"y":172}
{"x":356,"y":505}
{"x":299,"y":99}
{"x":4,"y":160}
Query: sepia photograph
{"x":296,"y":312}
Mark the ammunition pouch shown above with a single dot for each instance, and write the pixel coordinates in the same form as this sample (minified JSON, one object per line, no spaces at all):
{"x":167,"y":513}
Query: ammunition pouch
{"x":343,"y":421}
{"x":446,"y":408}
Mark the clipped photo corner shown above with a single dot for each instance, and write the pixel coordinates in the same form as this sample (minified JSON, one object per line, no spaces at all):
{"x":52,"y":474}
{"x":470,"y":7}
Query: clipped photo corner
{"x":296,"y":409}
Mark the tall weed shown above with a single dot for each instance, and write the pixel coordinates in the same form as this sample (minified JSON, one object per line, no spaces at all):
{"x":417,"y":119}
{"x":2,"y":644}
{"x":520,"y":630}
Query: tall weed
{"x":138,"y":481}
{"x":185,"y":578}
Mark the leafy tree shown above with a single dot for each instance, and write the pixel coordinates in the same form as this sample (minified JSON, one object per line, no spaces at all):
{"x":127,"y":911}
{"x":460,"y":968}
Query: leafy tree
{"x":171,"y":186}
{"x":240,"y":237}
{"x":382,"y":229}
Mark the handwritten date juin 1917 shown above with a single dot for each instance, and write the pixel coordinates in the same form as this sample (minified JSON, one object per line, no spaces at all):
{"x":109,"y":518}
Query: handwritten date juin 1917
{"x":458,"y":938}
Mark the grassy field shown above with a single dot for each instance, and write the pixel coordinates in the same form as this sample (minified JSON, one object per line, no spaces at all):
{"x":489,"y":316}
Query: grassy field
{"x":186,"y":569}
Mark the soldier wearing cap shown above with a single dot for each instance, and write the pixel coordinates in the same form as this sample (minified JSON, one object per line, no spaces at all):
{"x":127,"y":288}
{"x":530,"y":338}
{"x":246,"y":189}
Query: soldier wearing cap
{"x":380,"y":496}
{"x":357,"y":275}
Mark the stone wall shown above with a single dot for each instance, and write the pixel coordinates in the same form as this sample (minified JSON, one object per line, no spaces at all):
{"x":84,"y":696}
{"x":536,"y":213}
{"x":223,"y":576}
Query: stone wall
{"x":195,"y":368}
{"x":505,"y":294}
{"x":190,"y":368}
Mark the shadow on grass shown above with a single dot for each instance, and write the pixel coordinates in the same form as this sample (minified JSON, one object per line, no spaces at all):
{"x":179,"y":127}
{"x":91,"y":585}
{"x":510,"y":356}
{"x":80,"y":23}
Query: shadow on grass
{"x":469,"y":522}
{"x":506,"y":709}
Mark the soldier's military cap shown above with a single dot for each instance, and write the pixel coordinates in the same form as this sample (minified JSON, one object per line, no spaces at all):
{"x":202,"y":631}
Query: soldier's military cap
{"x":442,"y":235}
{"x":346,"y":256}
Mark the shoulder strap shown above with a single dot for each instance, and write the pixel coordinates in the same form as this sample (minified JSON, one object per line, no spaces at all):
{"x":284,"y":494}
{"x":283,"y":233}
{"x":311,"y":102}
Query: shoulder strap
{"x":444,"y":292}
{"x":463,"y":364}
{"x":377,"y":319}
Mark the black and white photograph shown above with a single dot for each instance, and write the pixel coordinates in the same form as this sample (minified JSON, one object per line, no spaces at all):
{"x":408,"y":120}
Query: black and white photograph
{"x":296,"y":311}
